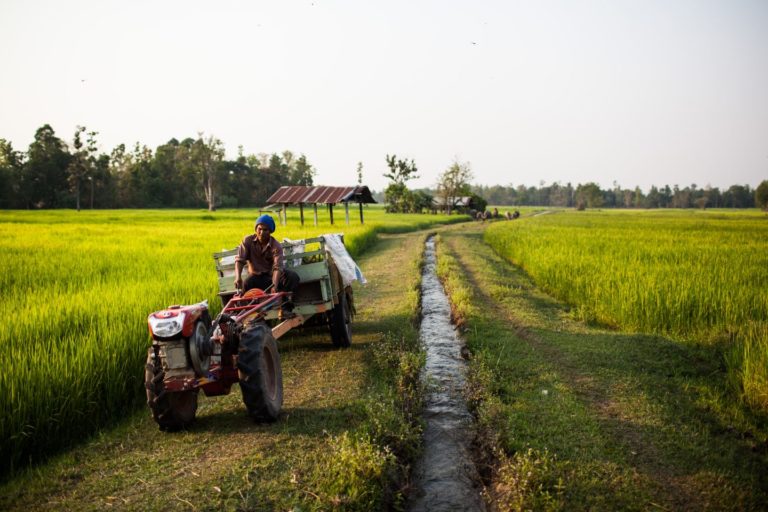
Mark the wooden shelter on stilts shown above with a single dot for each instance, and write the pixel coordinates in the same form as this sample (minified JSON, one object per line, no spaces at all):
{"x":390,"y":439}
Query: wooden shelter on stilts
{"x":329,"y":196}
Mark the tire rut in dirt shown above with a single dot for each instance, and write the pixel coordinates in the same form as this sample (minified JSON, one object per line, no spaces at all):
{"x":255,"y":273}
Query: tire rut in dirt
{"x":171,"y":411}
{"x":261,"y":378}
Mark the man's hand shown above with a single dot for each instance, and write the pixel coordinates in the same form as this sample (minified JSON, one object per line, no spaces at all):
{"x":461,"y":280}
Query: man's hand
{"x":238,"y":283}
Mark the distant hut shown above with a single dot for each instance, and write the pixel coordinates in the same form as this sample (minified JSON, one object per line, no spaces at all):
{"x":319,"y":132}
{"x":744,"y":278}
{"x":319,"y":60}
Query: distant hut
{"x":301,"y":196}
{"x":461,"y":204}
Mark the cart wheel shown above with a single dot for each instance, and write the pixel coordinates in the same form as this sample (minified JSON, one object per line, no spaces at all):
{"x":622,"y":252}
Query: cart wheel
{"x":172,"y":411}
{"x":261,"y":378}
{"x":341,"y":323}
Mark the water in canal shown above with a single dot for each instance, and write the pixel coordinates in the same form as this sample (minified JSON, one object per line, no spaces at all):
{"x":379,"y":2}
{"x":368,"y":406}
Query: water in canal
{"x":445,"y":479}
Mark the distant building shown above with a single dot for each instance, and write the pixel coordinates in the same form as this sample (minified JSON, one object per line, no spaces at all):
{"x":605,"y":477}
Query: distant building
{"x":457,"y":204}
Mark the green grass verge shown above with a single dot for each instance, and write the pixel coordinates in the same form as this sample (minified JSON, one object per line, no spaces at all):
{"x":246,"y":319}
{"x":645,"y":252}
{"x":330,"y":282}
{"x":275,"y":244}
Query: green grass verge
{"x":573,"y":417}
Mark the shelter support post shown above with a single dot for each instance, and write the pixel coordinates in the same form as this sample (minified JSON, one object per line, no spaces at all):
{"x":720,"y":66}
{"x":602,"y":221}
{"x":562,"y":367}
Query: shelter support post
{"x":315,"y":206}
{"x":346,"y":211}
{"x":301,"y":213}
{"x":361,"y":213}
{"x":330,"y":211}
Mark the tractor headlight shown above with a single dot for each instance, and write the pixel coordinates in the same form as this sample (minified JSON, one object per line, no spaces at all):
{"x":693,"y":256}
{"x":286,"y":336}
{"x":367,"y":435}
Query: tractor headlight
{"x":165,"y":327}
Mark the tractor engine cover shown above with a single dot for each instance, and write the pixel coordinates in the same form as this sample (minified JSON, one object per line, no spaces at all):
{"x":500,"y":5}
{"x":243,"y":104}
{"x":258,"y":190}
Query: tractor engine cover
{"x":173,"y":356}
{"x":182,"y":335}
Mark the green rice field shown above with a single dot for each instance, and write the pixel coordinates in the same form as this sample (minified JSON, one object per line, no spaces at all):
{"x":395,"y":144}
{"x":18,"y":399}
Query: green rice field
{"x":76,"y":292}
{"x":698,"y":276}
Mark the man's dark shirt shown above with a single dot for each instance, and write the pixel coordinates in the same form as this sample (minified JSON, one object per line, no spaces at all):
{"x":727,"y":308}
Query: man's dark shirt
{"x":260,"y":259}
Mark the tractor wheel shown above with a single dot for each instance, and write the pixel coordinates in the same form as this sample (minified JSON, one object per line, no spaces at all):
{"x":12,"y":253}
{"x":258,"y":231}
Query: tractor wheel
{"x":172,"y":411}
{"x":341,"y":323}
{"x":261,"y":378}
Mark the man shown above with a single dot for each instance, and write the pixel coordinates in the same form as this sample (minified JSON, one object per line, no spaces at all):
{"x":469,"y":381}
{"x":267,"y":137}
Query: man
{"x":264,"y":256}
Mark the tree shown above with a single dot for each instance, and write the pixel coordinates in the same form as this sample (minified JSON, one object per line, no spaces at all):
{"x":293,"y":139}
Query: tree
{"x":165,"y":184}
{"x":639,"y":198}
{"x":761,"y":195}
{"x":120,"y":163}
{"x":359,"y":173}
{"x":302,"y":172}
{"x":397,"y":194}
{"x":44,"y":176}
{"x":421,"y":201}
{"x":713,"y":193}
{"x":262,"y":176}
{"x":453,"y":184}
{"x":400,"y":171}
{"x":396,"y":197}
{"x":102,"y":184}
{"x":521,"y":195}
{"x":652,"y":199}
{"x":204,"y":164}
{"x":558,"y":195}
{"x":141,"y":177}
{"x":589,"y":195}
{"x":11,"y":164}
{"x":701,"y":202}
{"x":81,"y":163}
{"x":479,"y":202}
{"x":288,"y":159}
{"x":626,"y":195}
{"x":738,"y":196}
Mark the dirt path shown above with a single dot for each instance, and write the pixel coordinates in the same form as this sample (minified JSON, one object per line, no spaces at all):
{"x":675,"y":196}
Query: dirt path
{"x":226,"y":461}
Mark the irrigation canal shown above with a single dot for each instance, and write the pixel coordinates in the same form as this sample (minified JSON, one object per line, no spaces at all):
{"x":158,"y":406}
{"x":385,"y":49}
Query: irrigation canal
{"x":445,"y":479}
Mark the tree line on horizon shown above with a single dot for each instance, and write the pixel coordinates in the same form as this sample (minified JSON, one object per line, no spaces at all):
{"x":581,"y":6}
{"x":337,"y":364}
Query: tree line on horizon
{"x":190,"y":173}
{"x":194,"y":173}
{"x":453,"y":184}
{"x":590,"y":195}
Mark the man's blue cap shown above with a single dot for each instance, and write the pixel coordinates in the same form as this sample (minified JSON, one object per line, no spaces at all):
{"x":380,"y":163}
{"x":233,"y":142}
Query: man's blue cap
{"x":267,"y":220}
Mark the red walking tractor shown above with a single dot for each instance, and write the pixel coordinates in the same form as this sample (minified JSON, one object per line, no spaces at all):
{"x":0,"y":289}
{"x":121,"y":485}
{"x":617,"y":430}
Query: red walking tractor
{"x":190,"y":352}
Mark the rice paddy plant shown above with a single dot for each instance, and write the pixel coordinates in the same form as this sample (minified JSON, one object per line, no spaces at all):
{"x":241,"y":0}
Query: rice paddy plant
{"x":696,"y":276}
{"x":76,"y":292}
{"x":747,"y":362}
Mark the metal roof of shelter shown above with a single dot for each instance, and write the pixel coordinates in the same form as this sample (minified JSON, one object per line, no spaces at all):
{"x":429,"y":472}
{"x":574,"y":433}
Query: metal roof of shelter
{"x":296,"y":194}
{"x":465,"y":201}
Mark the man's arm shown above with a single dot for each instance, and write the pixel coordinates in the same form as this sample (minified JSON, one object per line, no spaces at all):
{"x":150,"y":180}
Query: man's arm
{"x":277,"y":264}
{"x":238,"y":275}
{"x":240,"y":260}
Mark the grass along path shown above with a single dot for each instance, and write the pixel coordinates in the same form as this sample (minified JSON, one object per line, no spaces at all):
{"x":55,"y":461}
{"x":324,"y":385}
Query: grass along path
{"x":577,"y":417}
{"x":344,"y":440}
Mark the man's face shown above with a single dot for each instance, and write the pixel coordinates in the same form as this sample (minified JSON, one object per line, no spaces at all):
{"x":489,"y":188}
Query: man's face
{"x":262,"y":233}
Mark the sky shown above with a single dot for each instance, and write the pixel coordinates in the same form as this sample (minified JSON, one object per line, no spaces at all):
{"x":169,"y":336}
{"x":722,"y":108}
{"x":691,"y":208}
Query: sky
{"x":637,"y":93}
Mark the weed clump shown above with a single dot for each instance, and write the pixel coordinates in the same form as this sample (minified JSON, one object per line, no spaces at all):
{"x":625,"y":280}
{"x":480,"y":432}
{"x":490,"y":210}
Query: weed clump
{"x":528,"y":480}
{"x":354,"y":474}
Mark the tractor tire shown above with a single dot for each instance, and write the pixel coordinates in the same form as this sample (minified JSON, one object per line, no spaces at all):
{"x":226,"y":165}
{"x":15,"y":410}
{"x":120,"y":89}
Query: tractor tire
{"x":261,"y":378}
{"x":172,"y":411}
{"x":341,"y":323}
